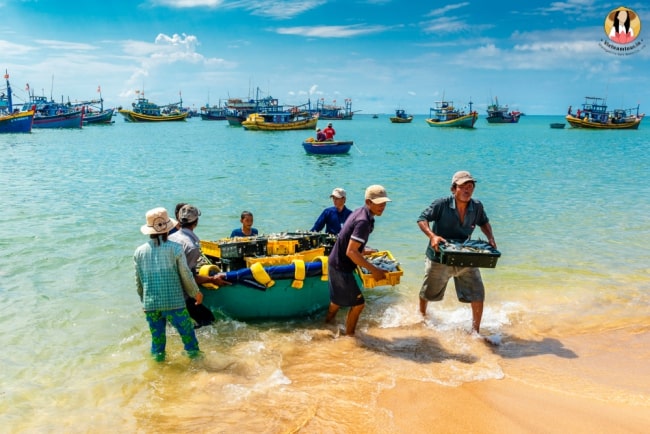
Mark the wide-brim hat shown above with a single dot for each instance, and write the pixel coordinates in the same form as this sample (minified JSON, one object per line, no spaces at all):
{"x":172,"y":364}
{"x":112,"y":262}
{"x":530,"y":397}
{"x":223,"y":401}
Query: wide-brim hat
{"x":158,"y":222}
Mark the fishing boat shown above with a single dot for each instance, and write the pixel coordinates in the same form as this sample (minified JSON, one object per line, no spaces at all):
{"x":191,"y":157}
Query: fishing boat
{"x":444,"y":114}
{"x":497,"y":114}
{"x":333,"y":112}
{"x":326,"y":148}
{"x":594,"y":115}
{"x":145,"y":111}
{"x":238,"y":110}
{"x":280,"y":276}
{"x":52,"y":114}
{"x":401,"y":117}
{"x":213,"y":113}
{"x":94,"y":112}
{"x":13,"y":121}
{"x":280,"y":121}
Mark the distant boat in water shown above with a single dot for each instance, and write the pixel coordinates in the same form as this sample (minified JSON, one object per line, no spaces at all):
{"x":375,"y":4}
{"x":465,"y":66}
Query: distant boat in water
{"x":213,"y":113}
{"x":51,"y":114}
{"x":13,"y":121}
{"x":594,"y":115}
{"x":326,"y":148}
{"x":332,"y":111}
{"x":557,"y":125}
{"x":497,"y":114}
{"x":281,"y":121}
{"x":145,"y":111}
{"x":444,"y":114}
{"x":401,"y":117}
{"x":94,"y":112}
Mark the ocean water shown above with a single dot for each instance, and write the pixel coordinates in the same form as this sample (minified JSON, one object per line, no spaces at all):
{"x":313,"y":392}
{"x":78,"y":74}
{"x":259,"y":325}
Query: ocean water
{"x":569,"y":209}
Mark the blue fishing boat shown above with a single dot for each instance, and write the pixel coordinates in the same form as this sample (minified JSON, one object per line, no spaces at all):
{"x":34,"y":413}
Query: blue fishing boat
{"x":238,"y":110}
{"x":213,"y":113}
{"x":326,"y":148}
{"x":444,"y":114}
{"x":334,"y":112}
{"x":145,"y":111}
{"x":401,"y":117}
{"x":13,"y":121}
{"x":51,"y":114}
{"x":594,"y":115}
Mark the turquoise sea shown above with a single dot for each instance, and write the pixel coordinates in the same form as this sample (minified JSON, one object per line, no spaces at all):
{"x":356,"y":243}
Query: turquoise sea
{"x":570,"y":211}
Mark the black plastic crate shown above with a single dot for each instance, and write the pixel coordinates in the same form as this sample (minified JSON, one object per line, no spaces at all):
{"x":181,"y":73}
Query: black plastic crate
{"x":469,"y":254}
{"x":306,"y":240}
{"x":240,"y":249}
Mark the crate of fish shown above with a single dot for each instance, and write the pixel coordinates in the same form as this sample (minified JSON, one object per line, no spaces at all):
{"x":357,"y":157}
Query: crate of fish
{"x":385,"y":261}
{"x":241,"y":247}
{"x":306,"y":240}
{"x":471,"y":253}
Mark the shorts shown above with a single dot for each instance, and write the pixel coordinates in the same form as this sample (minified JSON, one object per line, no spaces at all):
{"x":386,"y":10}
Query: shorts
{"x":344,"y":289}
{"x":468,"y":282}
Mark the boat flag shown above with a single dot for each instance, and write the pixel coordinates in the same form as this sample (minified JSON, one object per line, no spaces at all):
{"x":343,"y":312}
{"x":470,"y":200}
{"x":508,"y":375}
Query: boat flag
{"x":99,"y":89}
{"x":27,"y":87}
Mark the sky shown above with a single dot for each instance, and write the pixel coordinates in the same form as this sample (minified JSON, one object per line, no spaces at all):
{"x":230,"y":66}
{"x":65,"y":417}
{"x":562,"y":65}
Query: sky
{"x":538,"y":57}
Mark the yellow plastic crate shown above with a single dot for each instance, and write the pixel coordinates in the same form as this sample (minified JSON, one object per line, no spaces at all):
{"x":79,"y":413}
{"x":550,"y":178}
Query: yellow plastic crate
{"x":281,"y":247}
{"x":210,"y":248}
{"x":393,"y":276}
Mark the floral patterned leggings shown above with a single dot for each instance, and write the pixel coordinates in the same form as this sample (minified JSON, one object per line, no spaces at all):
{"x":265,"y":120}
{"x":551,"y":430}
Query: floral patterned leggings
{"x":181,"y":320}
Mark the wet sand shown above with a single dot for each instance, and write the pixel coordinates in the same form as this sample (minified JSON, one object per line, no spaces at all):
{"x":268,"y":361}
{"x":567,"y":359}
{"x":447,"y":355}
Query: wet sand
{"x":605,"y":388}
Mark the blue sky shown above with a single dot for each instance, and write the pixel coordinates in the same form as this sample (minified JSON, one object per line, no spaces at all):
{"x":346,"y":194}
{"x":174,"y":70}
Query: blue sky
{"x":538,"y":57}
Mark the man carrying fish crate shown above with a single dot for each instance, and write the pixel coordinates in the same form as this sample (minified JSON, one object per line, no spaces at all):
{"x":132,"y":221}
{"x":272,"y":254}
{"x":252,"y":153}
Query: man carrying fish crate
{"x":347,"y":254}
{"x":454,"y":218}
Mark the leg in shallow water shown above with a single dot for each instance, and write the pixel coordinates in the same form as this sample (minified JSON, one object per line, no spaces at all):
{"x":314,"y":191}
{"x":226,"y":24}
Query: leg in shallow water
{"x":331,"y":312}
{"x":352,"y":319}
{"x":477,"y":314}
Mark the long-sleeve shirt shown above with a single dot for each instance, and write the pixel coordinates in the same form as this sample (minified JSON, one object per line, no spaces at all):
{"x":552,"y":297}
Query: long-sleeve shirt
{"x":332,"y":220}
{"x":161,"y":275}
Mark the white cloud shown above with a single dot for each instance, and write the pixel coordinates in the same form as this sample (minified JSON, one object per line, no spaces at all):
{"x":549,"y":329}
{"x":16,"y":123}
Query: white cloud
{"x":331,"y":31}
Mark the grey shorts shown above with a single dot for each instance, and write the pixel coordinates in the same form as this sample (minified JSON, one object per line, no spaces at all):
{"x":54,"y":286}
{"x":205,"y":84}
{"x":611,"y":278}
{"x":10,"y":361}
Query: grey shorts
{"x":467,"y":280}
{"x":344,"y":289}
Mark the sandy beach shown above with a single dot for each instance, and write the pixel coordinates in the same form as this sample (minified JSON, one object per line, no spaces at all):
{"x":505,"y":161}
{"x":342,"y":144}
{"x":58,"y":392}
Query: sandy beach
{"x":521,"y":403}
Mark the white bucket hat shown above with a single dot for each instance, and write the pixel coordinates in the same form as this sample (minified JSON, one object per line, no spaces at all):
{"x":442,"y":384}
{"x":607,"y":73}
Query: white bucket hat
{"x":158,"y":222}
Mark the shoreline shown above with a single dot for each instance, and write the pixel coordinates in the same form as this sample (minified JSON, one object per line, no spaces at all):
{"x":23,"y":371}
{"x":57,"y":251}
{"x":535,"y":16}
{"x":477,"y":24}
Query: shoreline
{"x":604,"y":388}
{"x":504,"y":405}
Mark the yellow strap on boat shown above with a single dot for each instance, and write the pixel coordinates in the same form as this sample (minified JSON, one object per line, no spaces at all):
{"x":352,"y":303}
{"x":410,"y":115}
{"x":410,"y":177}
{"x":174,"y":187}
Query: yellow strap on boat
{"x":261,"y":276}
{"x":323,"y":260}
{"x":299,"y":274}
{"x":209,"y":270}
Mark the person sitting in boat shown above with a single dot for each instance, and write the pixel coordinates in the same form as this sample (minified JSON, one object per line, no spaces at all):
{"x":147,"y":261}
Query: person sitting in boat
{"x":332,"y":218}
{"x":247,"y":229}
{"x":320,"y":135}
{"x":329,"y":132}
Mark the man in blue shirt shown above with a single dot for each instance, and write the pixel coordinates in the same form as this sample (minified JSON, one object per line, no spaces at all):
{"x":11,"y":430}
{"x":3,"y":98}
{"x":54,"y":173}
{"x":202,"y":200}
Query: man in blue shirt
{"x":332,"y":218}
{"x":347,"y":254}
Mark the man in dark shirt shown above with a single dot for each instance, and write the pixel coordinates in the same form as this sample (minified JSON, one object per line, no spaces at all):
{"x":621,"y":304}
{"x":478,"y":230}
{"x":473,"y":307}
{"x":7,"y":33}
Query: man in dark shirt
{"x":347,"y":254}
{"x":454,"y":219}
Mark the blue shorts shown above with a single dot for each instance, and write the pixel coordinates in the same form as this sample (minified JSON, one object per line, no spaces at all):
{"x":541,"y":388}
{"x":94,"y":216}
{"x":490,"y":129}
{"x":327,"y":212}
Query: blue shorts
{"x":344,"y":289}
{"x":468,"y":282}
